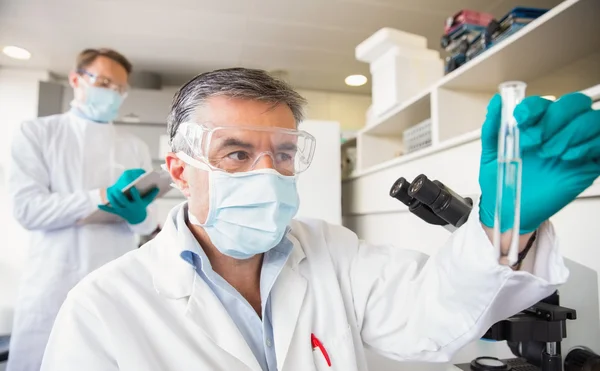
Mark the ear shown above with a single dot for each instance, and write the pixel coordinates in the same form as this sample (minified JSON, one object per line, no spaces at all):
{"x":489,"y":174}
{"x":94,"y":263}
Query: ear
{"x":73,"y":79}
{"x":176,"y":167}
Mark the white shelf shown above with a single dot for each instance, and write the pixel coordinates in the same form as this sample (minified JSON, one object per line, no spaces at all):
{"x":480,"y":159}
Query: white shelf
{"x":450,"y":143}
{"x":397,"y":119}
{"x":557,"y":53}
{"x":565,"y":34}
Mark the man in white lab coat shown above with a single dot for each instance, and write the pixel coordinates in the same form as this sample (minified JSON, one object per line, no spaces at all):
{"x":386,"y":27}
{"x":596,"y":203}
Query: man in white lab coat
{"x":233,"y":283}
{"x":62,"y":168}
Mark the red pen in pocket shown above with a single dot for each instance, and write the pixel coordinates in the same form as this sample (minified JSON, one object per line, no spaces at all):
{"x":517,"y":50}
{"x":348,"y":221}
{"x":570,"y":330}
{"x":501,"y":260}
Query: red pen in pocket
{"x":317,"y":343}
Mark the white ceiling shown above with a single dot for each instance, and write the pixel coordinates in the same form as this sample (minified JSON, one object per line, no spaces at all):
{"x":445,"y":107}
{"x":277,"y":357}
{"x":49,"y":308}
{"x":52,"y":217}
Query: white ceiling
{"x":313,"y":40}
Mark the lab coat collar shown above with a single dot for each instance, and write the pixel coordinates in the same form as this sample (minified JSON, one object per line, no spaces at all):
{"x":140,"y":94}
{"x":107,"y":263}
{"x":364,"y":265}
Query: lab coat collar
{"x":175,"y":278}
{"x":172,"y":276}
{"x":206,"y":311}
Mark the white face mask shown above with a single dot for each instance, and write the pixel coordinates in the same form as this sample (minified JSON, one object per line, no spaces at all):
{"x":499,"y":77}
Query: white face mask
{"x":100,"y":104}
{"x":248,"y":212}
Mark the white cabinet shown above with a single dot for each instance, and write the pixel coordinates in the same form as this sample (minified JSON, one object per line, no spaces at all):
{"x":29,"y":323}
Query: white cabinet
{"x":147,"y":106}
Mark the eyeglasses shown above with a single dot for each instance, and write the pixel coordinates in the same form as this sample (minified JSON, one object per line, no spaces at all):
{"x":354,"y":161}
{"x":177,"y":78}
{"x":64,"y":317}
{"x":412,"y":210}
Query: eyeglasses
{"x":105,"y":82}
{"x":241,"y":148}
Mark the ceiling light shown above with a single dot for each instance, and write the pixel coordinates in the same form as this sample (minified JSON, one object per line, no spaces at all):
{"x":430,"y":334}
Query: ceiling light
{"x":356,"y":80}
{"x":16,"y":53}
{"x":549,"y":97}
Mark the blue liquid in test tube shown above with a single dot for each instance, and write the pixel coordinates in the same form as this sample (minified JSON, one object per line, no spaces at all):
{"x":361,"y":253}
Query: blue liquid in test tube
{"x":508,"y":197}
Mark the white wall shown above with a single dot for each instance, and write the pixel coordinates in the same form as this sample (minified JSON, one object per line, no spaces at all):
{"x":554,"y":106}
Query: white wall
{"x":18,"y":102}
{"x":347,"y":109}
{"x":376,"y":217}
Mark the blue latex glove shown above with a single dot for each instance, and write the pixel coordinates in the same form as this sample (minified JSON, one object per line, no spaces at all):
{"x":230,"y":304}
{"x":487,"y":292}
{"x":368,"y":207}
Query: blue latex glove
{"x":560,"y":145}
{"x":133,"y":209}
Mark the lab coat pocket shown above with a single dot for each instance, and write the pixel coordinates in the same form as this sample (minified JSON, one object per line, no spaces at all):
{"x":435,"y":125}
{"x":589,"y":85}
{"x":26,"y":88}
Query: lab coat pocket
{"x":336,"y":354}
{"x":319,"y":360}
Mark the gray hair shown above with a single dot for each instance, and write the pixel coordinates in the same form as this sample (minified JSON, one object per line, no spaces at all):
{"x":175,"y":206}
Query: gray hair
{"x":242,"y":83}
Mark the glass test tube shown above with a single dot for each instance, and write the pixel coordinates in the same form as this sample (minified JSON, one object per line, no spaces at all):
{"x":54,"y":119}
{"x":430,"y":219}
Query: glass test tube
{"x":508,"y":196}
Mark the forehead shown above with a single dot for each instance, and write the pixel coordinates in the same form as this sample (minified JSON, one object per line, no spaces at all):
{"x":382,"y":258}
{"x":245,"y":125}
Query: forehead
{"x":227,"y":111}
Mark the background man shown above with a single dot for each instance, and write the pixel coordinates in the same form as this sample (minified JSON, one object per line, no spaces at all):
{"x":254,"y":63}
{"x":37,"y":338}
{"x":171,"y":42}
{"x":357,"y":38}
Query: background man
{"x":61,"y":170}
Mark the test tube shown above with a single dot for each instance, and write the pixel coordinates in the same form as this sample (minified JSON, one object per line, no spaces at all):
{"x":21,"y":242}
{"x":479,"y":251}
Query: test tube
{"x":508,"y":196}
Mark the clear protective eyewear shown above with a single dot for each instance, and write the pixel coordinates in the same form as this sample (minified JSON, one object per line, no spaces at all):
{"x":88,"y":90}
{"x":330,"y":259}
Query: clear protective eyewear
{"x":104,"y":82}
{"x":235,"y":149}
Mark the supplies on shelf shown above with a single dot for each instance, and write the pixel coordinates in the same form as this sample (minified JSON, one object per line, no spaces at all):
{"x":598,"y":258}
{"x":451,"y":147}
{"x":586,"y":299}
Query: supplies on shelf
{"x":462,"y":28}
{"x":417,"y":137}
{"x":466,"y":17}
{"x":401,"y":66}
{"x":459,"y":32}
{"x":468,"y":33}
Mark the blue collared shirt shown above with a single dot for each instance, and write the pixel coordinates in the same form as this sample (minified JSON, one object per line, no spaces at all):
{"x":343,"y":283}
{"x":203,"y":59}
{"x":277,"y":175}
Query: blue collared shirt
{"x":258,"y":334}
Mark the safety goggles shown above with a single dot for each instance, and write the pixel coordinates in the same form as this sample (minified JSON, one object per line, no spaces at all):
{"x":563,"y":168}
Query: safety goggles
{"x":236,"y":149}
{"x":104,"y":82}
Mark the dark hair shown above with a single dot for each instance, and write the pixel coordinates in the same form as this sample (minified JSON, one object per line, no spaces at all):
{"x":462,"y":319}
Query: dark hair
{"x":243,"y":83}
{"x":88,"y":56}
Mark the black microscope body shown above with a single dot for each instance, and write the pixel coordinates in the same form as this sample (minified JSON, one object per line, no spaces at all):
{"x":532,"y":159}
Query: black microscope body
{"x":534,"y":335}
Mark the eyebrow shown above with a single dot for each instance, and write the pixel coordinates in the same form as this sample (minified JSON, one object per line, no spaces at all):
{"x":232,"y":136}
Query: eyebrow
{"x":233,"y":142}
{"x":288,"y":146}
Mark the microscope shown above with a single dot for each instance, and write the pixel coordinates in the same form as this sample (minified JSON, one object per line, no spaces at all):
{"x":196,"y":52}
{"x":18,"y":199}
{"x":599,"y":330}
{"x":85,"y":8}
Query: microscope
{"x":534,"y":335}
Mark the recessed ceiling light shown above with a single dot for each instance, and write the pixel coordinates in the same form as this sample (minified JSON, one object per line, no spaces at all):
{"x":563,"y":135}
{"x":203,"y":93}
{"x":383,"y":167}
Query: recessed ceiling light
{"x":16,"y":53}
{"x":356,"y":80}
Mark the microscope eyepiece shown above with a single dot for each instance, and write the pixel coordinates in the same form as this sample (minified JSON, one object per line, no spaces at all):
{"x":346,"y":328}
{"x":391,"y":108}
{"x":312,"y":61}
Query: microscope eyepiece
{"x":399,"y":191}
{"x":424,"y":190}
{"x":441,"y":200}
{"x":432,"y":201}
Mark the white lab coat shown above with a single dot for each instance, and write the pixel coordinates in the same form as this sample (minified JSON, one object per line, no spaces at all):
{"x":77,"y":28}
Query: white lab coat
{"x":150,"y":311}
{"x":58,"y":164}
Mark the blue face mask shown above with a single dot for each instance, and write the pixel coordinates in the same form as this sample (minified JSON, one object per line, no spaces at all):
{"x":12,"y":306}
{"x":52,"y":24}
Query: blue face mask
{"x":249,"y":212}
{"x":99,"y":105}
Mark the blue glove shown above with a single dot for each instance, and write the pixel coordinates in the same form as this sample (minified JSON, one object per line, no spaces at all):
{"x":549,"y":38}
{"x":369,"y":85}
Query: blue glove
{"x":132,"y":210}
{"x":560,"y":150}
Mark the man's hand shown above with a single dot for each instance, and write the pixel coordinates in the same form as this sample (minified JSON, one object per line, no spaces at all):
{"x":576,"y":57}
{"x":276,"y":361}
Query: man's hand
{"x":560,"y":145}
{"x":133,"y":209}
